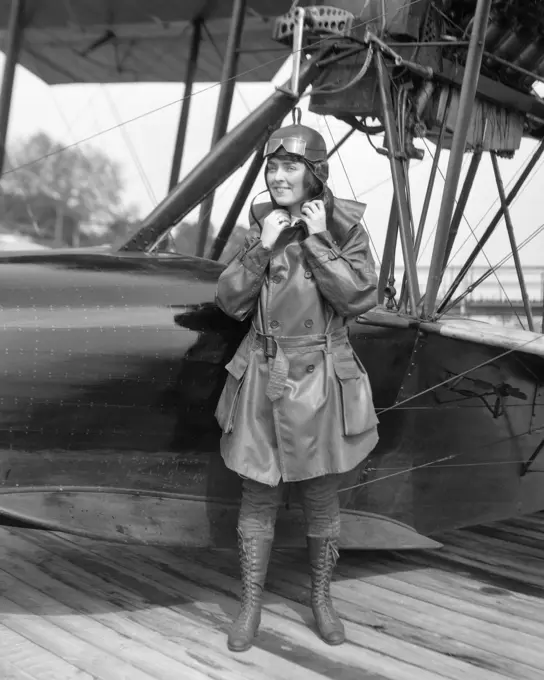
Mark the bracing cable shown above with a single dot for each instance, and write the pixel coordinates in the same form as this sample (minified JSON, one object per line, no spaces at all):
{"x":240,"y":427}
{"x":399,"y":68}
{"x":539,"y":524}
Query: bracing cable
{"x":353,"y":192}
{"x":181,"y":99}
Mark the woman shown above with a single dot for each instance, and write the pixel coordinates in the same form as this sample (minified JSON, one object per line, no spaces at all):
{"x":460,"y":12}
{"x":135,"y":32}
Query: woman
{"x":297,"y":405}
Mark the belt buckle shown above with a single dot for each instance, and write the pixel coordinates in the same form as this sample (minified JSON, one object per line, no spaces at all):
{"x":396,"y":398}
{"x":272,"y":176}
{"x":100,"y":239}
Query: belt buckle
{"x":270,"y":348}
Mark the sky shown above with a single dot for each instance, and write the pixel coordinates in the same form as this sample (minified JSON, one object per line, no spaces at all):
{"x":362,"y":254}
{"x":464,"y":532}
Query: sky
{"x":136,"y":124}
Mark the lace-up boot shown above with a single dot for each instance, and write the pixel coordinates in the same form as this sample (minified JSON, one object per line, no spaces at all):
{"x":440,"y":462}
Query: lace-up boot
{"x":254,"y":558}
{"x":323,"y":554}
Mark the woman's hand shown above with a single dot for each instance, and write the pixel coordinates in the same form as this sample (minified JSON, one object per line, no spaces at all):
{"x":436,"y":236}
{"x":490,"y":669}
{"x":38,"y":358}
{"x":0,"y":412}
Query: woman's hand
{"x":273,"y":225}
{"x":315,"y":216}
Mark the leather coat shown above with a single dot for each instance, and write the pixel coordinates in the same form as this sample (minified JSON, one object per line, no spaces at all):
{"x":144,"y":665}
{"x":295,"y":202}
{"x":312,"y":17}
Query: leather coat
{"x":297,"y":401}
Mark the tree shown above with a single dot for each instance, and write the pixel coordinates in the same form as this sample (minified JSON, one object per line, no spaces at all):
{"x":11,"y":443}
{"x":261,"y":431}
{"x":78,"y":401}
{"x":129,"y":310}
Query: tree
{"x":61,"y":193}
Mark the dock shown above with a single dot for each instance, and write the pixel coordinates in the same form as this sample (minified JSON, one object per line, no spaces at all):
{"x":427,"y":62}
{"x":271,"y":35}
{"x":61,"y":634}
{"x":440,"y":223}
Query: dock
{"x":77,"y":609}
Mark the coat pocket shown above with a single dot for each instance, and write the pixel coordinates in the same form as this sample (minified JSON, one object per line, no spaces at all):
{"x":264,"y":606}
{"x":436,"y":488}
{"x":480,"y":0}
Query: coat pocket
{"x":358,"y":412}
{"x":225,"y":413}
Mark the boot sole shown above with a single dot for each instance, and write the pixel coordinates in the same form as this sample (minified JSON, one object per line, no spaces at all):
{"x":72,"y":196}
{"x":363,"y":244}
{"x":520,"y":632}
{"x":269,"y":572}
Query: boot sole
{"x":241,"y":649}
{"x":333,"y":643}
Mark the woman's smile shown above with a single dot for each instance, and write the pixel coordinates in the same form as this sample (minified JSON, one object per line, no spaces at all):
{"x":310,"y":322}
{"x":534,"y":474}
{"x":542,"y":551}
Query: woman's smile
{"x":281,"y":169}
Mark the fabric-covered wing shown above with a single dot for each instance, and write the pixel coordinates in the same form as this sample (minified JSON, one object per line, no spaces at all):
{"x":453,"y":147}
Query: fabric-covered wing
{"x":100,"y":41}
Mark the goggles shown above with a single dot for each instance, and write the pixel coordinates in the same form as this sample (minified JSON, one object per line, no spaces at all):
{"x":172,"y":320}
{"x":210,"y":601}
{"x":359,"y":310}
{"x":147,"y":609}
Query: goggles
{"x":290,"y":144}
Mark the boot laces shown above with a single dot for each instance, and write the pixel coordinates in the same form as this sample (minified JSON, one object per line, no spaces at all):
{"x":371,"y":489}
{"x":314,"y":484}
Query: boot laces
{"x":321,"y":597}
{"x":251,"y":590}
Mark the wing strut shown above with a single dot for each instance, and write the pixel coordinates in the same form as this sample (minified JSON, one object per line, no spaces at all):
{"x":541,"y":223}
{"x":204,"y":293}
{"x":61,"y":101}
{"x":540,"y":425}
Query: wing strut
{"x":186,"y":103}
{"x":399,"y":183}
{"x":13,"y":46}
{"x":513,"y":244}
{"x":226,"y":94}
{"x":230,"y":153}
{"x":466,"y":104}
{"x":446,"y":305}
{"x":238,"y":203}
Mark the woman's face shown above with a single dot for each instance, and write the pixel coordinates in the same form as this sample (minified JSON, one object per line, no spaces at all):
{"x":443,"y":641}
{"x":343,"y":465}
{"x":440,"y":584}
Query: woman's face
{"x":286,"y":178}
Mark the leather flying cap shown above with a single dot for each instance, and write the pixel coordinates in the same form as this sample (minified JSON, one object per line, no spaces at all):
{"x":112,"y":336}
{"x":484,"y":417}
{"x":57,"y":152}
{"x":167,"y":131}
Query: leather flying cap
{"x":299,"y":140}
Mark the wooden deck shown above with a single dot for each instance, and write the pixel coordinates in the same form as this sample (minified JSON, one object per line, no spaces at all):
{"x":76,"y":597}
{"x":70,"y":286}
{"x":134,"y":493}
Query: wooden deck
{"x":78,"y":609}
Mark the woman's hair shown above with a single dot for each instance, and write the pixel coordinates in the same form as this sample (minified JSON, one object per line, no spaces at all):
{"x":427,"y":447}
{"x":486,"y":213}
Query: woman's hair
{"x":312,"y":184}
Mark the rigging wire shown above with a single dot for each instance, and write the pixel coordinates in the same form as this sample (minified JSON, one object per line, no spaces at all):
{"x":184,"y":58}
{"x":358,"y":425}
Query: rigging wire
{"x":451,"y":457}
{"x":434,"y":463}
{"x":60,"y":110}
{"x":484,"y":254}
{"x":463,"y":373}
{"x":433,"y":230}
{"x":194,"y":94}
{"x":453,"y":405}
{"x":130,"y":146}
{"x":488,"y":463}
{"x":216,"y":85}
{"x":386,"y":180}
{"x":27,"y":207}
{"x":532,"y":236}
{"x":463,"y":31}
{"x":508,"y":184}
{"x":431,"y":389}
{"x":353,"y":192}
{"x":70,"y":132}
{"x":459,"y":375}
{"x":218,"y":52}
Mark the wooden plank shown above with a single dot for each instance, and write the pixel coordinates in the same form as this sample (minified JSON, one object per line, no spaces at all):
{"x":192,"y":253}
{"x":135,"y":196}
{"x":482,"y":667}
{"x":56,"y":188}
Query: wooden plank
{"x":282,"y":622}
{"x":516,"y":537}
{"x":526,"y":521}
{"x":442,"y":630}
{"x":179,"y":638}
{"x":357,"y":607}
{"x":410,"y":616}
{"x":34,"y":661}
{"x":164,"y":656}
{"x":519,"y":556}
{"x":450,"y":562}
{"x":420,"y":586}
{"x":498,"y":563}
{"x":500,"y":603}
{"x":10,"y":672}
{"x":20,"y":659}
{"x":392,"y":646}
{"x":521,"y":537}
{"x":46,"y":623}
{"x":277,"y":655}
{"x":367,"y":573}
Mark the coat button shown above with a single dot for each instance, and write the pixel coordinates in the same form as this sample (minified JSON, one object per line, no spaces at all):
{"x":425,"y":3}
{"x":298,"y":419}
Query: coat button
{"x":276,"y":279}
{"x":307,"y":274}
{"x":274,"y":324}
{"x":311,"y":368}
{"x":308,"y":323}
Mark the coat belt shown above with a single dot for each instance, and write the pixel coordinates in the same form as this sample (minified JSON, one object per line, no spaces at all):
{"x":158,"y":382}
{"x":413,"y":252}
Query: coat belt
{"x":274,"y":349}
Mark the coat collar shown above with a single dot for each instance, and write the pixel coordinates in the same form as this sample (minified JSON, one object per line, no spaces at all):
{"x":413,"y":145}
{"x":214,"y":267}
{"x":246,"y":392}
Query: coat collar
{"x":342,"y":215}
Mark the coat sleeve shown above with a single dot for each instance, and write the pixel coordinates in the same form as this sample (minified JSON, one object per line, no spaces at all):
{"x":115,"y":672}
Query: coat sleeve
{"x":346,"y":276}
{"x":240,"y":283}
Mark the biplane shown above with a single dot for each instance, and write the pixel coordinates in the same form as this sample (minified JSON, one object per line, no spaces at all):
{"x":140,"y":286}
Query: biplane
{"x":112,"y":360}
